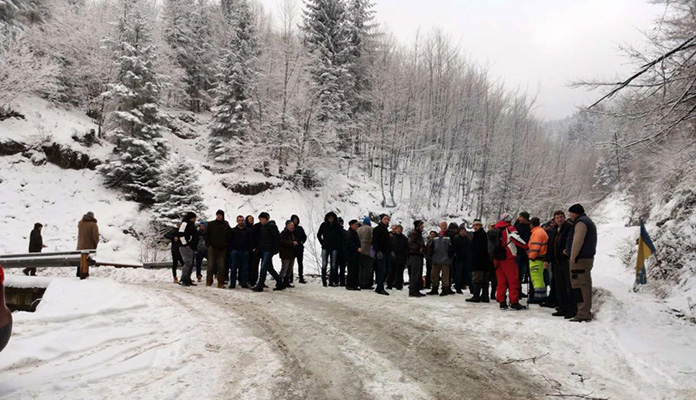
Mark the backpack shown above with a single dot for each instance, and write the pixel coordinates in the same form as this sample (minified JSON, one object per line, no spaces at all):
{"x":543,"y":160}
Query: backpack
{"x":495,"y":244}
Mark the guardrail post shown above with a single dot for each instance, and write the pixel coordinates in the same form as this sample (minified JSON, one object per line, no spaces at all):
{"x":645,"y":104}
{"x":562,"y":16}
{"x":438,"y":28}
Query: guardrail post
{"x":84,"y":265}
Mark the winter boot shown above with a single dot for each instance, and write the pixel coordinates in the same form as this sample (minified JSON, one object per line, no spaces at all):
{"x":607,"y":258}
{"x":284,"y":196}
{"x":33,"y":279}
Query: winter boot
{"x":433,"y":292}
{"x":301,"y":280}
{"x":257,"y":288}
{"x":476,"y":298}
{"x":503,"y":305}
{"x":176,"y":280}
{"x":517,"y":306}
{"x":221,"y":285}
{"x":484,"y":295}
{"x":199,"y":277}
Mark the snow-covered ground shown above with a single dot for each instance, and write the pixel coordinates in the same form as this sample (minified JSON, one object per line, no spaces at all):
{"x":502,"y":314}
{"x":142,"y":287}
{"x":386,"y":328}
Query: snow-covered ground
{"x":130,"y":333}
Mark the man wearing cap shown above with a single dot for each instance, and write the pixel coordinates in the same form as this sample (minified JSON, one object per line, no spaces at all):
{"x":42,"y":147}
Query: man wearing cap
{"x":353,"y":255}
{"x":506,"y":269}
{"x":581,"y":246}
{"x":216,"y":236}
{"x":416,"y":254}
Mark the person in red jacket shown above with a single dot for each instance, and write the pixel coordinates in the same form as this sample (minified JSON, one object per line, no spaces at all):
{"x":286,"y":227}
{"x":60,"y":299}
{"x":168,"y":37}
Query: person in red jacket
{"x":506,"y":270}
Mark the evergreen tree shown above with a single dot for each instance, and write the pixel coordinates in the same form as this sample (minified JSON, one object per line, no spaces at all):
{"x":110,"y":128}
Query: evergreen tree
{"x":235,"y":107}
{"x":134,"y":122}
{"x":177,"y":195}
{"x":328,"y":41}
{"x":187,"y":31}
{"x":362,"y":45}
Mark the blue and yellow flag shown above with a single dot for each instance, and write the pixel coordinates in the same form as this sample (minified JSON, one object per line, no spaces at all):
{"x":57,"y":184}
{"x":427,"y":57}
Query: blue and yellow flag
{"x":645,"y":250}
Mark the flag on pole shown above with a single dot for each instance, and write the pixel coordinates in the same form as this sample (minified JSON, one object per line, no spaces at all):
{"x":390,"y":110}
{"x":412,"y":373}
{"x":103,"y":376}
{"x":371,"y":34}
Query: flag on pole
{"x":645,"y":250}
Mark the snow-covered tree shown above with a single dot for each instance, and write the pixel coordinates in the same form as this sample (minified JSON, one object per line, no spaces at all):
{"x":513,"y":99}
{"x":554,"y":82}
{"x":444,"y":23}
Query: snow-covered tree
{"x":328,"y":41}
{"x":187,"y":31}
{"x":235,"y":107}
{"x":178,"y":194}
{"x":134,"y":122}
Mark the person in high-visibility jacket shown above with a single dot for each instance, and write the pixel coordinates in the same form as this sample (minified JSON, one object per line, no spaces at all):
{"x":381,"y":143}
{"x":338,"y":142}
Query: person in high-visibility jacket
{"x":538,"y":245}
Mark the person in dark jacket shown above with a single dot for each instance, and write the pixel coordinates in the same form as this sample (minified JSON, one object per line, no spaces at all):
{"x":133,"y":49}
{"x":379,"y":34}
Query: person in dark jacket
{"x":35,"y":245}
{"x":429,"y":260}
{"x":240,"y":245}
{"x":201,"y":250}
{"x":255,"y":253}
{"x":399,"y":248}
{"x":342,"y":253}
{"x":352,"y":255}
{"x":524,"y":229}
{"x":382,"y":247}
{"x":188,"y":243}
{"x":176,"y":256}
{"x":287,"y":252}
{"x":461,"y":244}
{"x":581,"y":248}
{"x":216,"y":236}
{"x":416,"y":254}
{"x":560,"y":266}
{"x":479,"y":264}
{"x":268,"y":245}
{"x":330,"y":236}
{"x":301,"y":238}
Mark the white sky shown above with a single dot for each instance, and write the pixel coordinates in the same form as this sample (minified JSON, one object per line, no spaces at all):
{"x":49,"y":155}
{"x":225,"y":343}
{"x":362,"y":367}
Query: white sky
{"x":536,"y":45}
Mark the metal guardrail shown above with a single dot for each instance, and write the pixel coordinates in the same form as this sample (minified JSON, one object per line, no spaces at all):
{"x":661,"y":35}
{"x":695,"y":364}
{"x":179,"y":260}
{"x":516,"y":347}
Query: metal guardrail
{"x":77,"y":258}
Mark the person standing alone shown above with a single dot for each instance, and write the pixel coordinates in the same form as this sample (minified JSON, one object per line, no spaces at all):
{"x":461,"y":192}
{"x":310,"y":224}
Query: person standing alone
{"x":35,"y":246}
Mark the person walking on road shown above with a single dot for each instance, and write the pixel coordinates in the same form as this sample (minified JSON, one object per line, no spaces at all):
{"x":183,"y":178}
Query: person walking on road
{"x":35,"y":246}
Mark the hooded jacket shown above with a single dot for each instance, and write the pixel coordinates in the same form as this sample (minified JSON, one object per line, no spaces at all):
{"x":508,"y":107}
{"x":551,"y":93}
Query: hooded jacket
{"x":329,"y":234}
{"x":35,"y":241}
{"x":511,"y":239}
{"x":87,"y":233}
{"x":300,"y":235}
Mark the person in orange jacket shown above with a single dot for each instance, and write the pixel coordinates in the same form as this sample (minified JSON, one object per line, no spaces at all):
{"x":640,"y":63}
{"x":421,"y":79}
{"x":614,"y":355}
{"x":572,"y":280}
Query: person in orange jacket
{"x":538,"y":245}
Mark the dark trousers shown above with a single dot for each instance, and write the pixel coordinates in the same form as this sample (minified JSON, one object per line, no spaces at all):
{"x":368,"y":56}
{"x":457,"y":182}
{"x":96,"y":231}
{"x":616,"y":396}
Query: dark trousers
{"x":383,"y":268}
{"x":415,"y":273}
{"x":561,"y":277}
{"x":460,"y":272}
{"x":352,"y":280}
{"x":341,"y":268}
{"x":176,"y":259}
{"x":200,"y":255}
{"x":428,"y":272}
{"x":267,"y":267}
{"x":366,"y":265}
{"x":240,"y":267}
{"x":522,"y":261}
{"x":254,"y":261}
{"x":396,"y":276}
{"x":299,"y":256}
{"x":333,"y":275}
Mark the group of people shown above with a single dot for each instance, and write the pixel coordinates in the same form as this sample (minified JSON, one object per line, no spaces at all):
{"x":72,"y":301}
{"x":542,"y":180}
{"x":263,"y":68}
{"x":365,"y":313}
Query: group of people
{"x":491,"y":262}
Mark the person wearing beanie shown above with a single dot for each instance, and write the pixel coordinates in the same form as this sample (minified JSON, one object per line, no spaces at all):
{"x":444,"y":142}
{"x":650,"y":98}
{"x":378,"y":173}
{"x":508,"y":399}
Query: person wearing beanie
{"x":35,"y":246}
{"x":399,"y":247}
{"x":524,"y":229}
{"x":353,"y":256}
{"x":188,"y":244}
{"x":382,"y":247}
{"x":287,"y":252}
{"x":582,"y":247}
{"x":461,"y":244}
{"x":506,"y":271}
{"x":301,"y":238}
{"x":216,"y":237}
{"x":416,"y":255}
{"x":366,"y":259}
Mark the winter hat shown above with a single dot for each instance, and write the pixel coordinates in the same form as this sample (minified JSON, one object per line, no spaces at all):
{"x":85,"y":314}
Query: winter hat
{"x":189,"y":215}
{"x":38,"y":225}
{"x":367,"y":221}
{"x":478,"y":222}
{"x":524,"y":215}
{"x":340,"y":221}
{"x":577,"y":209}
{"x":417,"y":223}
{"x":352,"y":222}
{"x":264,"y":215}
{"x":288,"y":222}
{"x":462,"y":226}
{"x":293,"y":217}
{"x":203,"y":222}
{"x":506,"y":217}
{"x":90,"y":214}
{"x":220,"y":212}
{"x":381,"y":216}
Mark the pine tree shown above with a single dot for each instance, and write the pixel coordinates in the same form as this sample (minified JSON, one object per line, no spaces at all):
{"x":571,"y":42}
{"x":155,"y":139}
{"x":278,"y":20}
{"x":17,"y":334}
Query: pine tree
{"x":134,"y":124}
{"x":362,"y":45}
{"x":235,"y":108}
{"x":327,"y":39}
{"x":178,"y":194}
{"x":187,"y":31}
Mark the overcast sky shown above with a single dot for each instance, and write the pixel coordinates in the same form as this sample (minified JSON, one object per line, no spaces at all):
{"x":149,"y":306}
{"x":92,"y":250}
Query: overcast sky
{"x":536,"y":45}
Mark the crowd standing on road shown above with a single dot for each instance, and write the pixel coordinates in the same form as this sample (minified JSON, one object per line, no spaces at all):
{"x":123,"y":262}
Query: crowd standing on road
{"x":555,"y":258}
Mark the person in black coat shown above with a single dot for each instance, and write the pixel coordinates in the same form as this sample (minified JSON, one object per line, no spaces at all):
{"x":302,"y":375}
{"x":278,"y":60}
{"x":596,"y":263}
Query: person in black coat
{"x":268,"y":245}
{"x":301,"y":238}
{"x":461,"y":245}
{"x":330,"y":237}
{"x":240,"y":246}
{"x":560,"y":266}
{"x":176,"y":257}
{"x":352,"y":255}
{"x":188,"y":237}
{"x":399,"y":249}
{"x":255,"y":254}
{"x":381,"y":244}
{"x":35,"y":245}
{"x":524,"y":229}
{"x":480,"y":264}
{"x":342,"y":252}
